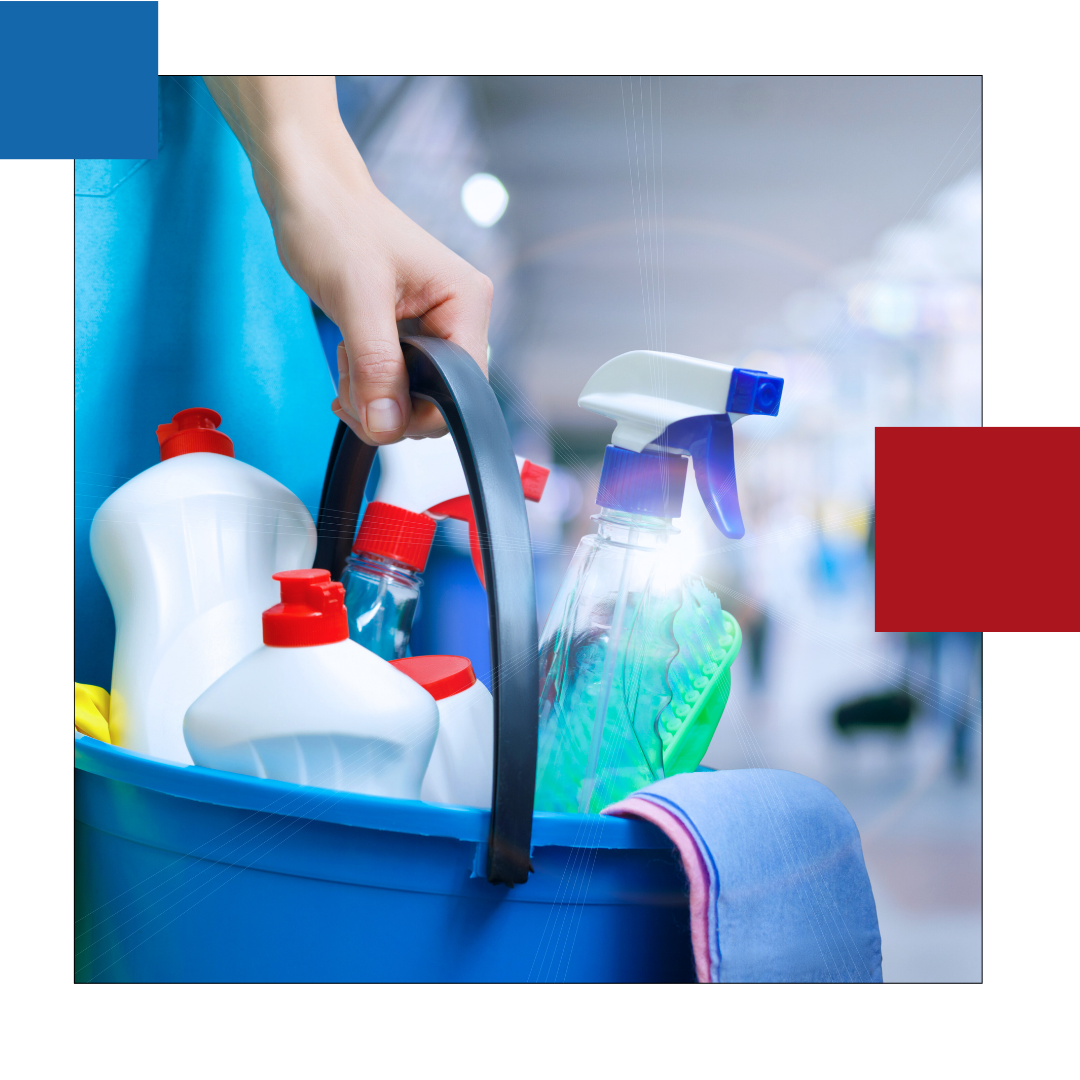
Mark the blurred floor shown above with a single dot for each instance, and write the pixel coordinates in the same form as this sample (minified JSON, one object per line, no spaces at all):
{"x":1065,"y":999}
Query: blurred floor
{"x":921,"y":825}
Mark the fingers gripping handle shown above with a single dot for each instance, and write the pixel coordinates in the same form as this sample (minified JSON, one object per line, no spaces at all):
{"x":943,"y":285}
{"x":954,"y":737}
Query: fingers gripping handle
{"x":446,"y":375}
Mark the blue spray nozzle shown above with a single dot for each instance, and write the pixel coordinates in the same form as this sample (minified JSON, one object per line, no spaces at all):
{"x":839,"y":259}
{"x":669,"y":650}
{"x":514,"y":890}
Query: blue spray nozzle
{"x":752,"y":392}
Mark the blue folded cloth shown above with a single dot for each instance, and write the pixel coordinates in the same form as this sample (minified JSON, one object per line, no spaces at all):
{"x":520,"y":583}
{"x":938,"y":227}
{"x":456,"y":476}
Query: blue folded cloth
{"x":778,"y":886}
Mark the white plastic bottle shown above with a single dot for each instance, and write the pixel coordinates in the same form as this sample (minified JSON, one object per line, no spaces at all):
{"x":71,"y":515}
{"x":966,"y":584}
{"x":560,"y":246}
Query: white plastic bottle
{"x":186,"y":551}
{"x":310,"y":706}
{"x":460,"y":770}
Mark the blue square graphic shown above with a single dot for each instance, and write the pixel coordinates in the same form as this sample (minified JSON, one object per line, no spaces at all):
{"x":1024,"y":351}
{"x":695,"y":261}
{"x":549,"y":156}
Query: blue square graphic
{"x":78,"y":80}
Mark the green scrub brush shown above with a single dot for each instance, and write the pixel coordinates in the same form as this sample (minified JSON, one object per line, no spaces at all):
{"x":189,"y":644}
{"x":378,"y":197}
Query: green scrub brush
{"x":709,"y":639}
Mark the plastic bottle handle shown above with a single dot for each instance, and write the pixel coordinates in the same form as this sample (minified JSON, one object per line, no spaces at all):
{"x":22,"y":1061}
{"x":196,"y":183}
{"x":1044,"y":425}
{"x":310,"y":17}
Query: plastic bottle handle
{"x":445,"y":374}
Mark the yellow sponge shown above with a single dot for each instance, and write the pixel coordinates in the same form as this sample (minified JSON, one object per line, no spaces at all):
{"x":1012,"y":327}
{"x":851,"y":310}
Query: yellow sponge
{"x":92,"y":711}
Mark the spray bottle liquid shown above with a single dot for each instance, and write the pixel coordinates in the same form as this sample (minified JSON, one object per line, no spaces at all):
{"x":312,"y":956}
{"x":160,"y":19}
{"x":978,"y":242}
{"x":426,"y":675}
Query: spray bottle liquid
{"x":186,"y":551}
{"x":421,"y":482}
{"x":635,"y":657}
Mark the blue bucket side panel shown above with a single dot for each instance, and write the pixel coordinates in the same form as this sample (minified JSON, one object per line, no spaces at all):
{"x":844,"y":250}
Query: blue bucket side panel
{"x":403,"y":816}
{"x":169,"y":889}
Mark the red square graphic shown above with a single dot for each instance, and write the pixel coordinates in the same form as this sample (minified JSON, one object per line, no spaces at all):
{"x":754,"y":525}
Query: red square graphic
{"x":977,"y":529}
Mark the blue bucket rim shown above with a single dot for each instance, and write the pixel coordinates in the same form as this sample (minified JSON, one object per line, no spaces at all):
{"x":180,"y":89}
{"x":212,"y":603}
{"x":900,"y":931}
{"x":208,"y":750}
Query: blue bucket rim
{"x":345,"y":808}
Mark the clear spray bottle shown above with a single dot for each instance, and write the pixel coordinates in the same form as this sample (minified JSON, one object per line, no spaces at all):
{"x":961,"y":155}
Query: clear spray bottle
{"x":635,"y":657}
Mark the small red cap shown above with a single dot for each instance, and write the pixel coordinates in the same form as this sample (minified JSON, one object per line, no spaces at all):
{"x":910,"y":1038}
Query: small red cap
{"x":396,"y":534}
{"x":193,"y":431}
{"x":534,"y":479}
{"x":440,"y":676}
{"x":311,"y":612}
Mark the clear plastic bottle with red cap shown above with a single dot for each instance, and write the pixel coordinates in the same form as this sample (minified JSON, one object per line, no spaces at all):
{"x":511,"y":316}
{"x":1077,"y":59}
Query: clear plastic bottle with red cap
{"x":309,"y":706}
{"x":382,"y":577}
{"x":421,"y":482}
{"x":186,"y":551}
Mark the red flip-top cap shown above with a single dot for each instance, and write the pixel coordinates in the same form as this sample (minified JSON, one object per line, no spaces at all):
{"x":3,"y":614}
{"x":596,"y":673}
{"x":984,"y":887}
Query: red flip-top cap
{"x":397,"y":534}
{"x":440,"y":676}
{"x":311,"y":612}
{"x":193,"y":431}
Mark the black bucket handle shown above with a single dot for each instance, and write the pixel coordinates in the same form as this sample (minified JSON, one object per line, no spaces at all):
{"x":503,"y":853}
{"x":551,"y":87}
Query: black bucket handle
{"x":445,"y":374}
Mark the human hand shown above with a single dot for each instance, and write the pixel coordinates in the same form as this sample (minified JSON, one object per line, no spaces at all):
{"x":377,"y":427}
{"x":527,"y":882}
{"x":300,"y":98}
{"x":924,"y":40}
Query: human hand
{"x":363,"y":261}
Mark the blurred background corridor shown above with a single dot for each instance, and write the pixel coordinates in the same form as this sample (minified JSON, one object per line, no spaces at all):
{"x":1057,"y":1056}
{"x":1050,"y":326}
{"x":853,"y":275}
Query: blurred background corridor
{"x":825,"y":229}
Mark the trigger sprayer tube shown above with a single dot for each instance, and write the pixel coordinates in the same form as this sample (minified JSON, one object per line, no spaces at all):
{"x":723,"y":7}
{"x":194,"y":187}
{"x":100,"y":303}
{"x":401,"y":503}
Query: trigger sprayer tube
{"x":615,"y":637}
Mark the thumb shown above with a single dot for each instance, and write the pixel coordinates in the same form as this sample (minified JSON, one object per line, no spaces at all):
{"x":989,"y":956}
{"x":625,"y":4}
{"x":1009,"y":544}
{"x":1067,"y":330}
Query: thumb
{"x":376,"y":391}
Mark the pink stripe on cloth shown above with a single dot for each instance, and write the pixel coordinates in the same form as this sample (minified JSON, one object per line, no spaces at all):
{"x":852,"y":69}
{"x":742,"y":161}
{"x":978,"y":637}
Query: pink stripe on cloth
{"x":693,"y":867}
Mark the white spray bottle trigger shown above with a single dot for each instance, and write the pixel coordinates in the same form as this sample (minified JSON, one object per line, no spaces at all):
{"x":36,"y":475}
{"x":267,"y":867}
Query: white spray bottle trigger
{"x":680,"y":404}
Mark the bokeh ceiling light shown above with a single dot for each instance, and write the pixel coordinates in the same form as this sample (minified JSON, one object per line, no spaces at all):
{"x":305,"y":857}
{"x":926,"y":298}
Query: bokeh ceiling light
{"x":484,"y":198}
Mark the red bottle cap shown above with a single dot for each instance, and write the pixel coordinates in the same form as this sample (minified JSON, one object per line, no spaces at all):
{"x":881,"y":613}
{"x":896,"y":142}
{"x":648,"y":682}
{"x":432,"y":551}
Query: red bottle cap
{"x":311,"y":612}
{"x":193,"y":431}
{"x":534,"y":479}
{"x":440,"y":676}
{"x":396,"y":534}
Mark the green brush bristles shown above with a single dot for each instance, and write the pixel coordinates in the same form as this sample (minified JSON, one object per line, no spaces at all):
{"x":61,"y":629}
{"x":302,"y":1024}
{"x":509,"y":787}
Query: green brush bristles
{"x":700,"y":678}
{"x":669,"y":689}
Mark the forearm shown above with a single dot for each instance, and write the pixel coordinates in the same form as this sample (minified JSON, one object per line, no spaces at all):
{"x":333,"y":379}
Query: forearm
{"x":287,"y":126}
{"x":351,"y":250}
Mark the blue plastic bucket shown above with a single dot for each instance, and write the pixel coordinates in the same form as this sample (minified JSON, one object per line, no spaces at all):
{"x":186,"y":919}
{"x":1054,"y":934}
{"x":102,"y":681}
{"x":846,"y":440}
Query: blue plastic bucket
{"x":190,"y":875}
{"x":185,"y":874}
